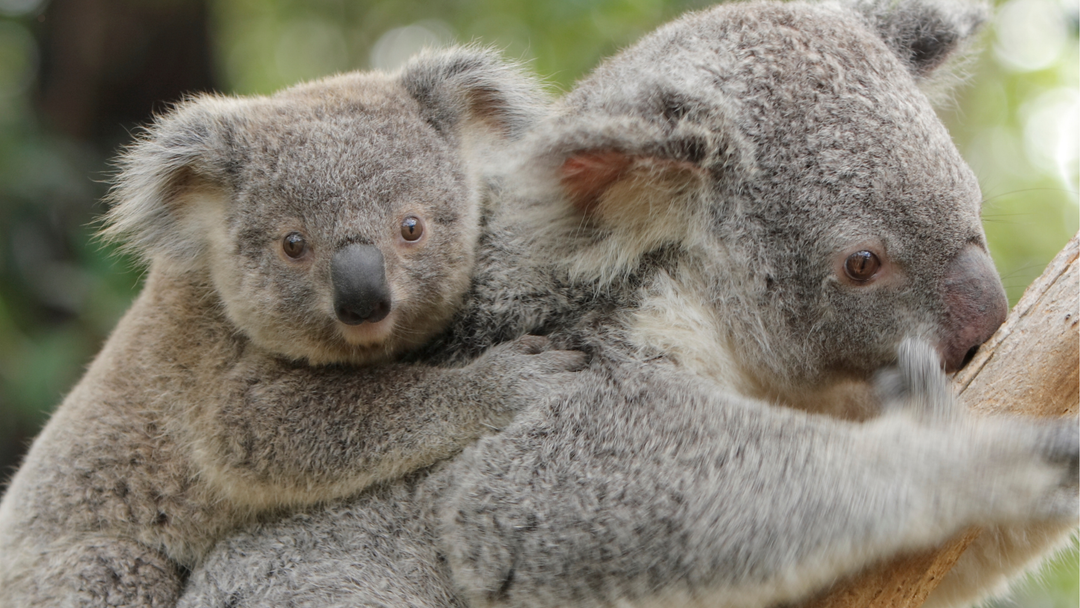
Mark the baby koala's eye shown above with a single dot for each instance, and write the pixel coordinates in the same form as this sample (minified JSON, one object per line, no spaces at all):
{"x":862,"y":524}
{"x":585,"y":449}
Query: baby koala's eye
{"x":412,"y":228}
{"x":294,"y":245}
{"x":861,"y":266}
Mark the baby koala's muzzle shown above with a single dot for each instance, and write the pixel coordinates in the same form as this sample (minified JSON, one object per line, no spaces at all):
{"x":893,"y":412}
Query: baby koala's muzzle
{"x":361,"y":293}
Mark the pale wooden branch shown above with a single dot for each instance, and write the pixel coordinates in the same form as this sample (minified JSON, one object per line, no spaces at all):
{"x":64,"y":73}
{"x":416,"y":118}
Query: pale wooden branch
{"x":1029,"y":366}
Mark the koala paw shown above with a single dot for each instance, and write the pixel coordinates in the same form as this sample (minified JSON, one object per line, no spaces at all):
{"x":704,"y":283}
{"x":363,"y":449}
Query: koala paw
{"x":526,"y":370}
{"x":1061,"y":446}
{"x":918,"y":384}
{"x":1057,"y":446}
{"x":1018,"y":469}
{"x":533,"y":352}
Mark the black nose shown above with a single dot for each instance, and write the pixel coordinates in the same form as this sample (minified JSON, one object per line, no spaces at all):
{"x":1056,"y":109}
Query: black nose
{"x":360,"y":290}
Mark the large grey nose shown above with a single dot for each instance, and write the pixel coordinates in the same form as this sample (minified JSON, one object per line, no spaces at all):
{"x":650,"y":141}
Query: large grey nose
{"x":975,"y":306}
{"x":361,"y":293}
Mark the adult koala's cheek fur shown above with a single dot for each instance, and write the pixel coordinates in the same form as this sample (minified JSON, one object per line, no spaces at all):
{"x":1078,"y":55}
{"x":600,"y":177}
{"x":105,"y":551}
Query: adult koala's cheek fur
{"x":957,"y":308}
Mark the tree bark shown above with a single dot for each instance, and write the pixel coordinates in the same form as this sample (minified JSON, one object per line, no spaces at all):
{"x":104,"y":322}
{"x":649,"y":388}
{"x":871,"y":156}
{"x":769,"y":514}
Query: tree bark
{"x":1029,"y":367}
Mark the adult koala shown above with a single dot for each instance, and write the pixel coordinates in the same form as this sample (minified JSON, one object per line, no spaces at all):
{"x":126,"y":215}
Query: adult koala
{"x":753,"y":208}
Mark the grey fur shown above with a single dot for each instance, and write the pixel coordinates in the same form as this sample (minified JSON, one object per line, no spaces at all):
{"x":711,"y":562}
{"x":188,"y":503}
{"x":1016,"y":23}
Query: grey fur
{"x":921,"y":388}
{"x":682,"y":216}
{"x":924,"y":34}
{"x":229,"y":390}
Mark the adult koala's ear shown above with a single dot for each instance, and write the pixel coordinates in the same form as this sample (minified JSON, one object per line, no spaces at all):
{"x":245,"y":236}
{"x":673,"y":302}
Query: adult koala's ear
{"x":641,"y":165}
{"x":924,"y":33}
{"x":463,"y":88}
{"x":170,"y":182}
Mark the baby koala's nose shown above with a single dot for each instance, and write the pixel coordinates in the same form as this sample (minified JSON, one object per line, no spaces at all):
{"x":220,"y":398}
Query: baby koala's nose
{"x":361,"y":293}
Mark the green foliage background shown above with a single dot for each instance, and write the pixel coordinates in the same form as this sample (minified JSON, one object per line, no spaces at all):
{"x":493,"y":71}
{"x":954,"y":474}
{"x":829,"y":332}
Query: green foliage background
{"x":1014,"y":119}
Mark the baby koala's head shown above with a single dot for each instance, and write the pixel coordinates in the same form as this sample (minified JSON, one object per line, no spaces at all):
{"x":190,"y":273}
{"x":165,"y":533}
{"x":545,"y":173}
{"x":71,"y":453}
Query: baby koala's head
{"x":335,"y":221}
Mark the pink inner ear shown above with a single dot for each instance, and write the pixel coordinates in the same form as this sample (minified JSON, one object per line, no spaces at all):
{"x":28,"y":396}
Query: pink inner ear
{"x":588,"y":175}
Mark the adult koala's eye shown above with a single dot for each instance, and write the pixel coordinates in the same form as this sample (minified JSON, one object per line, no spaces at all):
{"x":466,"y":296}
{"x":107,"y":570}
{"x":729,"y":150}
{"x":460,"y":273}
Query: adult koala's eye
{"x":412,"y":228}
{"x":861,"y":266}
{"x":294,"y":245}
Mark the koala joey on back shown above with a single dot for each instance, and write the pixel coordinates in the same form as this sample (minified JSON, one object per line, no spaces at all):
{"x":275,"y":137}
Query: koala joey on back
{"x":293,"y":242}
{"x":745,"y":217}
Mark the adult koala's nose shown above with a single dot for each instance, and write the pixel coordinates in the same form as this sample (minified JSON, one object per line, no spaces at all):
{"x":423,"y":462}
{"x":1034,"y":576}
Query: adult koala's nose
{"x":361,"y":293}
{"x":975,"y":306}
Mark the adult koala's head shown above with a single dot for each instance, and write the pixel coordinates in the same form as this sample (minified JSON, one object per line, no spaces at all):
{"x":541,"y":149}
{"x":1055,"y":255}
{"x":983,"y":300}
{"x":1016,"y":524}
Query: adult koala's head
{"x":780,"y":163}
{"x":335,"y":221}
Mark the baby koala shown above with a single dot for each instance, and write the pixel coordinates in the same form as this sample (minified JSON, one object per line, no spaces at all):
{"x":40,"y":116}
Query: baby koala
{"x":292,"y":241}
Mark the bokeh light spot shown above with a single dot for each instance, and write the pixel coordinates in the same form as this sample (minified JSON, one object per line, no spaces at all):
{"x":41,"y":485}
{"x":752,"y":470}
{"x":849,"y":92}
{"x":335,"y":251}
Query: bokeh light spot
{"x":1051,"y":128}
{"x":1031,"y":34}
{"x":396,"y":46}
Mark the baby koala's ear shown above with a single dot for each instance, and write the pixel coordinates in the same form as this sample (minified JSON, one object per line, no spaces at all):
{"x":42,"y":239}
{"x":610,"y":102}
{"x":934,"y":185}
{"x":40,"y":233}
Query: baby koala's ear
{"x":171,"y":181}
{"x":924,"y":33}
{"x":462,"y":88}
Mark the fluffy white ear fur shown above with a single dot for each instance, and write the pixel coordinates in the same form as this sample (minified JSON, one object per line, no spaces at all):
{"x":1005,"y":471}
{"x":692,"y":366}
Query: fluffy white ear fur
{"x":473,"y":87}
{"x":168,"y":180}
{"x":617,"y":188}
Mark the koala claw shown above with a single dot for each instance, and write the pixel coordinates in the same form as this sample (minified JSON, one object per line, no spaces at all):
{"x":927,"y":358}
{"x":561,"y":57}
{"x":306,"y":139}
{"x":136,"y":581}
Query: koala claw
{"x":526,"y":370}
